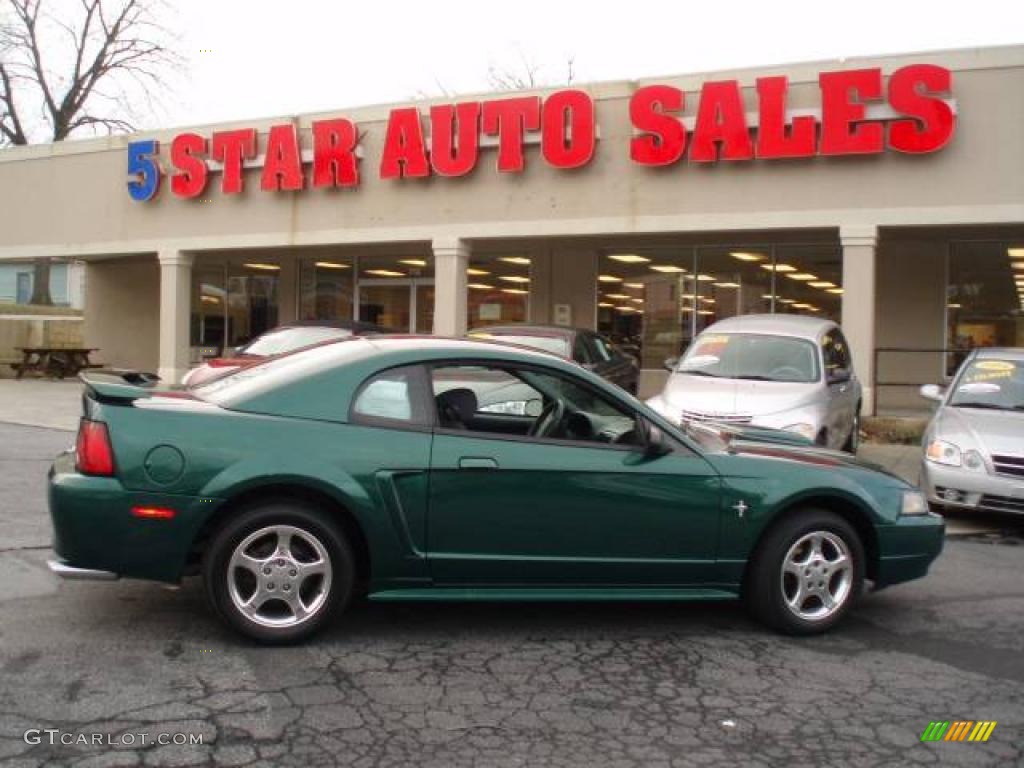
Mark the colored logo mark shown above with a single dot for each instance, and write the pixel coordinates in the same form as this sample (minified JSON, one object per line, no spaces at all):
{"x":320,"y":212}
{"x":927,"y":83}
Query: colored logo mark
{"x":959,"y":730}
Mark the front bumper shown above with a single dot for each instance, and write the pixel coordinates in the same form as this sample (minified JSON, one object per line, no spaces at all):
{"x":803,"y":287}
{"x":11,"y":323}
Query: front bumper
{"x":957,"y":488}
{"x":908,"y":547}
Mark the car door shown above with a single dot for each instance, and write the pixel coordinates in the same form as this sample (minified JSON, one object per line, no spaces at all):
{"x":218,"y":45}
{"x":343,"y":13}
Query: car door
{"x":842,"y":390}
{"x":569,"y":507}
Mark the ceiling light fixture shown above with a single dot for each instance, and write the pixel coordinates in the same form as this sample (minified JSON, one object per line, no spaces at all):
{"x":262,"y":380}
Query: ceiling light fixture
{"x":803,"y":277}
{"x":514,"y":278}
{"x":747,"y":256}
{"x":668,"y":269}
{"x":385,"y":273}
{"x":608,"y":279}
{"x":331,"y":265}
{"x":261,"y":265}
{"x":413,"y":262}
{"x":778,"y":267}
{"x":515,"y":259}
{"x":628,"y":258}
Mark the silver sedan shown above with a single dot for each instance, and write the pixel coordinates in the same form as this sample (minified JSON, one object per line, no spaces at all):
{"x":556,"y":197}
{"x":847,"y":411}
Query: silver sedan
{"x":974,"y":445}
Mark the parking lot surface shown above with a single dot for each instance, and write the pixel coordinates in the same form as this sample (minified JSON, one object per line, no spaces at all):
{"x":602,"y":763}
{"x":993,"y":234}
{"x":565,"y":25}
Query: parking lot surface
{"x":500,"y":685}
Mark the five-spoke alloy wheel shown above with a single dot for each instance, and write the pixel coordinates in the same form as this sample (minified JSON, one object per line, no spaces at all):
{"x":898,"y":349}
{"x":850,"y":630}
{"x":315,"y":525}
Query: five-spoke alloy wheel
{"x":279,"y":571}
{"x":806,"y":573}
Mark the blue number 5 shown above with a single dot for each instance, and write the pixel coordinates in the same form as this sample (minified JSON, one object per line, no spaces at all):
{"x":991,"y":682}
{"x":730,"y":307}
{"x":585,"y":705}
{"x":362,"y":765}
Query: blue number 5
{"x":144,"y":168}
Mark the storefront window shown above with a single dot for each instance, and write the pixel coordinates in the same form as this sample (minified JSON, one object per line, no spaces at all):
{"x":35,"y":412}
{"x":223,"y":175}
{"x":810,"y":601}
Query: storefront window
{"x":326,"y":288}
{"x":653,"y":302}
{"x":984,"y":298}
{"x":396,"y":292}
{"x":232,"y":303}
{"x":498,"y":290}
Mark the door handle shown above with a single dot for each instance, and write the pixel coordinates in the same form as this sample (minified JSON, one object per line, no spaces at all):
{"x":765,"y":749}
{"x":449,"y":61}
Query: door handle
{"x":474,"y":462}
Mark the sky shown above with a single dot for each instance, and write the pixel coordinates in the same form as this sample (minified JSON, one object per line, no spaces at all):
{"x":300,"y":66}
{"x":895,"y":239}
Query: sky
{"x":261,"y":58}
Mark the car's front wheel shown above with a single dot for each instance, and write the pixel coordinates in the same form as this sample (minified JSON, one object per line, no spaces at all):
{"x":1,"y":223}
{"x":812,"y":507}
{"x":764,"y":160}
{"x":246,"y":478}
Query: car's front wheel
{"x":279,"y":571}
{"x":806,"y":573}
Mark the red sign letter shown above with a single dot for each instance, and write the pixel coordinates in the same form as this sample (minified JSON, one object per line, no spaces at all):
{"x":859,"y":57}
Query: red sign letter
{"x":404,"y":152}
{"x":508,"y":119}
{"x":720,"y":118}
{"x":446,"y":156}
{"x":575,"y":110}
{"x":933,"y":126}
{"x":772,"y":140}
{"x":334,"y":159}
{"x":664,"y":137}
{"x":230,"y":148}
{"x":282,"y":168}
{"x":839,"y":134}
{"x":185,"y":151}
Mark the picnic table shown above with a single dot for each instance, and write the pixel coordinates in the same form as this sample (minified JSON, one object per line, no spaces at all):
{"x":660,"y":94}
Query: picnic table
{"x":55,"y":362}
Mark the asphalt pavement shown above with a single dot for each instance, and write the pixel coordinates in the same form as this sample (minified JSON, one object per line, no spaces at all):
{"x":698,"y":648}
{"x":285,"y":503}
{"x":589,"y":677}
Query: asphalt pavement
{"x":102,"y":664}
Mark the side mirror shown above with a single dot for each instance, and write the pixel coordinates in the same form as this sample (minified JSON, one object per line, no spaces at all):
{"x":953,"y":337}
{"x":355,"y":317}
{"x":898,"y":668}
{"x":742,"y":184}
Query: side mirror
{"x":655,"y":443}
{"x":839,"y":376}
{"x":933,"y":392}
{"x":671,"y":363}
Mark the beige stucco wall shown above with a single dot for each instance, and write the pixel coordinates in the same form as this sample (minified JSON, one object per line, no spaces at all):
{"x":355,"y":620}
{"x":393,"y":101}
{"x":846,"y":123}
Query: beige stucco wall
{"x":122,"y":299}
{"x":977,"y":177}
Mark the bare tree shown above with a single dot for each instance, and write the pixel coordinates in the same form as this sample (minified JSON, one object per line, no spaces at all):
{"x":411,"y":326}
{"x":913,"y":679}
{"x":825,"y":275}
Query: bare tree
{"x":527,"y":75}
{"x":73,"y":67}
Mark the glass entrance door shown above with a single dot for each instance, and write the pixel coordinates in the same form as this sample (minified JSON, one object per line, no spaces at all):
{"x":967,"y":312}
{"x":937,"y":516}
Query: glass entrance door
{"x":406,"y":306}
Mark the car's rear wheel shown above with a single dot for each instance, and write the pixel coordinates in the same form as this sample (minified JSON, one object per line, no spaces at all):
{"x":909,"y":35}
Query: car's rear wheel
{"x":279,"y":571}
{"x":806,"y":573}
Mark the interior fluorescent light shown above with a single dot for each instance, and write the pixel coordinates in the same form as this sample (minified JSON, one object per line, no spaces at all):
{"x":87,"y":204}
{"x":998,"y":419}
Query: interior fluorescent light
{"x":261,"y":265}
{"x":480,"y":287}
{"x":836,"y":291}
{"x":705,"y":312}
{"x":413,"y":262}
{"x":514,"y":278}
{"x":608,"y":279}
{"x":707,"y":300}
{"x":706,"y":278}
{"x":638,"y":286}
{"x":1015,"y":253}
{"x":786,"y":301}
{"x":385,"y":273}
{"x":747,"y":256}
{"x":667,"y":268}
{"x":801,"y":306}
{"x":822,"y":284}
{"x":802,"y":276}
{"x":1017,"y":264}
{"x":515,"y":259}
{"x":477,"y":272}
{"x":628,"y":258}
{"x":637,"y":301}
{"x":516,"y":291}
{"x":727,"y":285}
{"x":778,"y":267}
{"x":618,"y":296}
{"x":953,"y":306}
{"x":605,"y":304}
{"x":331,"y":265}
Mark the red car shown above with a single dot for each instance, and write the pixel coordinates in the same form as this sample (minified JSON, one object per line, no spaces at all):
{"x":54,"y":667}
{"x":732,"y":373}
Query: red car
{"x":279,"y":341}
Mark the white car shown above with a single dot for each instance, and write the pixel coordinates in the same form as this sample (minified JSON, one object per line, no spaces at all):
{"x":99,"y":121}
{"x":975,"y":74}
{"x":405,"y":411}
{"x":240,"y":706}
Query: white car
{"x":974,"y":445}
{"x":787,"y":372}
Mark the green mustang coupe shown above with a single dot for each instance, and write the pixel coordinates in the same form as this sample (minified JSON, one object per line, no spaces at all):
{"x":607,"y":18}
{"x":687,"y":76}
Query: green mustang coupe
{"x":433,"y":469}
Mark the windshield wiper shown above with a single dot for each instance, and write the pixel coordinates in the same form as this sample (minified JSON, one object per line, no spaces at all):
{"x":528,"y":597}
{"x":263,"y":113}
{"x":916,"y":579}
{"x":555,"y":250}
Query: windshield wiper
{"x":990,"y":406}
{"x":754,"y":377}
{"x":701,"y":373}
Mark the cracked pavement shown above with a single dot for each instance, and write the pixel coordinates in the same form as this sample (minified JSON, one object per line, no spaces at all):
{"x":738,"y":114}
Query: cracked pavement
{"x":499,"y":685}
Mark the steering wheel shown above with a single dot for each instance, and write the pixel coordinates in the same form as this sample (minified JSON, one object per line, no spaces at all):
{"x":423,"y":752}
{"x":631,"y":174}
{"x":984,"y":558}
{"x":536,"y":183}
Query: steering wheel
{"x":779,"y":373}
{"x":549,"y":419}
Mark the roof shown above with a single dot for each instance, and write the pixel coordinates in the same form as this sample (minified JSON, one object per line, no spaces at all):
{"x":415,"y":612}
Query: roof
{"x":1013,"y":353}
{"x":440,"y":347}
{"x":799,"y":326}
{"x":527,"y":329}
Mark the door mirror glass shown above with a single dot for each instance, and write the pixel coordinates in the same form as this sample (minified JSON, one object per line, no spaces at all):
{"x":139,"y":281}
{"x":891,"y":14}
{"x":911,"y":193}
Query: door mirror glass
{"x":933,"y":392}
{"x":671,"y":363}
{"x":838,"y":375}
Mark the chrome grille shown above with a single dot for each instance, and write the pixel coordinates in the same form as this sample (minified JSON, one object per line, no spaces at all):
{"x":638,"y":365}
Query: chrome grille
{"x":1001,"y":503}
{"x":721,"y":418}
{"x":1013,"y":466}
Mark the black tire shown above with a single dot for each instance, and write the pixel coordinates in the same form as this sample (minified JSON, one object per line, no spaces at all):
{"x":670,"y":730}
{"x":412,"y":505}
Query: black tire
{"x":315,"y":527}
{"x":765,"y":586}
{"x":853,"y":441}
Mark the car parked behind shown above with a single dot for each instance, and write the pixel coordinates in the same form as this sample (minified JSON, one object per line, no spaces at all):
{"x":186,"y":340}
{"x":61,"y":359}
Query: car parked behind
{"x":974,"y":444}
{"x":786,"y":372}
{"x":591,"y":350}
{"x":278,"y":341}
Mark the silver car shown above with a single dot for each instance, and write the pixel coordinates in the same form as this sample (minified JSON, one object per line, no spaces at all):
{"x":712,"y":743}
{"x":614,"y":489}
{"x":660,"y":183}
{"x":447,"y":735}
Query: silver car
{"x":974,"y":445}
{"x":787,"y":372}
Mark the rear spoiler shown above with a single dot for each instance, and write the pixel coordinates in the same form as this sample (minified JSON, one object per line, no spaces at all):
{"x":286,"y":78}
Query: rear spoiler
{"x":119,"y":384}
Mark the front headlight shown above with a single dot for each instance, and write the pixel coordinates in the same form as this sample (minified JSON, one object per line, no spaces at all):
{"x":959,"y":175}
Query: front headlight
{"x":803,"y":429}
{"x":942,"y":452}
{"x":914,"y":503}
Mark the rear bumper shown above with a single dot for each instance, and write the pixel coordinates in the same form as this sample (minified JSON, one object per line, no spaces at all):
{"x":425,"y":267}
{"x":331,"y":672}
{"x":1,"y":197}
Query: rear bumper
{"x":70,"y":573}
{"x":907,"y":548}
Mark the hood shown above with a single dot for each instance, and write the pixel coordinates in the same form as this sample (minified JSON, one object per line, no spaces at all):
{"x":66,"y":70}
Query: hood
{"x":749,"y":434}
{"x":994,"y":432}
{"x":807,"y":454}
{"x":739,"y":396}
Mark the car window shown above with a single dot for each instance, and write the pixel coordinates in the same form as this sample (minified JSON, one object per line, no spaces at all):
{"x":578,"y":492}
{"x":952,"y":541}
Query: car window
{"x":753,"y":356}
{"x":290,"y":339}
{"x":602,"y":348}
{"x":990,"y":383}
{"x":505,"y":400}
{"x":836,"y":353}
{"x":580,"y":350}
{"x":558,"y":345}
{"x":389,"y":397}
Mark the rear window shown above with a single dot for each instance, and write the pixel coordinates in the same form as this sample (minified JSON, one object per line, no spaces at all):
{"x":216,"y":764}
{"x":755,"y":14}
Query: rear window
{"x":289,"y":339}
{"x":558,"y":345}
{"x":281,"y":371}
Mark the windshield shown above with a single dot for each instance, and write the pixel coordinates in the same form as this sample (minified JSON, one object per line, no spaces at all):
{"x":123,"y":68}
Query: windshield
{"x":991,"y":383}
{"x":289,"y":339}
{"x":753,"y":356}
{"x":559,"y":345}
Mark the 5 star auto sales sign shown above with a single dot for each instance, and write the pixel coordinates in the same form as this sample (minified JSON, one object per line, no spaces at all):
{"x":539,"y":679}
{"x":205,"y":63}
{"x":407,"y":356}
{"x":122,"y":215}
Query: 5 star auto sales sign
{"x":860,"y":113}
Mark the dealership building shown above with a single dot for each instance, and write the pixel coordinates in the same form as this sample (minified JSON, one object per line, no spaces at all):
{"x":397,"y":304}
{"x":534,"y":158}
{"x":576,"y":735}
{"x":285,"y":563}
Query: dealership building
{"x":885,"y":193}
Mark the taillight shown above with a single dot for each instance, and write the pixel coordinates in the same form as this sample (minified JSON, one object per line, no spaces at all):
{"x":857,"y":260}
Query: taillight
{"x":94,"y":452}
